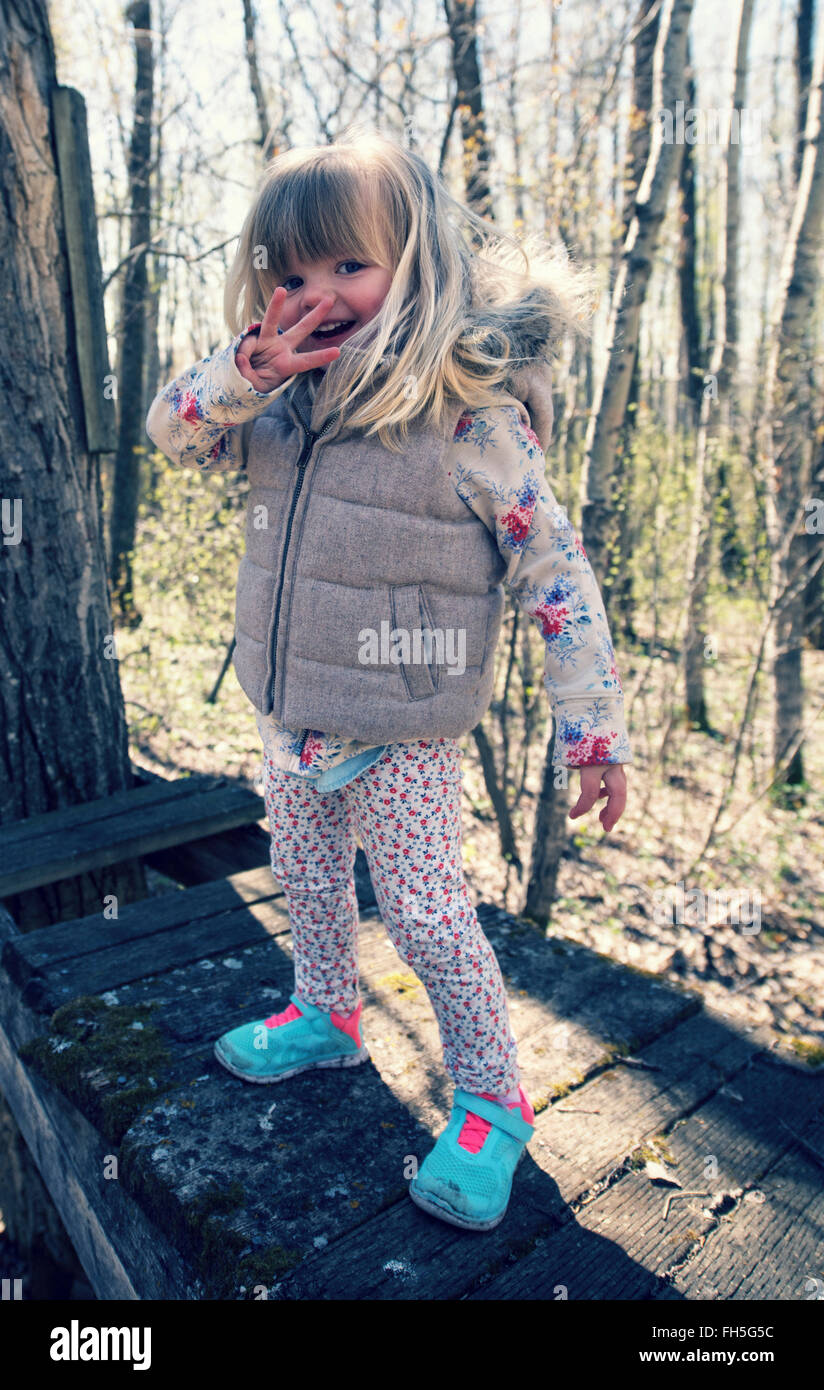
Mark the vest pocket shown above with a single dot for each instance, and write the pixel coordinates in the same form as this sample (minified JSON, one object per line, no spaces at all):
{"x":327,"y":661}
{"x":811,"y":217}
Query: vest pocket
{"x":410,"y":615}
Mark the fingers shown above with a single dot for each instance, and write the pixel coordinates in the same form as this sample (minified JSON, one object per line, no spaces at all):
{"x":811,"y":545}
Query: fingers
{"x":247,"y":371}
{"x":616,"y":804}
{"x":305,"y":361}
{"x":276,"y":353}
{"x":300,"y":330}
{"x":271,"y":319}
{"x":590,"y":787}
{"x":614,"y":790}
{"x":309,"y":322}
{"x":294,"y":336}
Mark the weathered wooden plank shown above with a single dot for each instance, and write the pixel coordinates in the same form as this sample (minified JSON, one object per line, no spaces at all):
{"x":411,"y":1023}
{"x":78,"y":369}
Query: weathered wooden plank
{"x":398,"y":1016}
{"x":123,"y":1255}
{"x":437,"y":1261}
{"x":398,"y":1019}
{"x":106,"y":969}
{"x":771,"y":1247}
{"x":66,"y":852}
{"x":80,"y":228}
{"x":622,"y":1245}
{"x":327,"y":1214}
{"x":394,"y":1011}
{"x":159,"y":792}
{"x":56,"y":945}
{"x":588,"y":1131}
{"x":305,"y":1163}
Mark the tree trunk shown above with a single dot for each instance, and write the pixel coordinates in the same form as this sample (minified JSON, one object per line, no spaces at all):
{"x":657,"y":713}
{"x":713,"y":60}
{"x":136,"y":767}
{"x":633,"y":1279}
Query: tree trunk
{"x":712,"y":398}
{"x":814,"y":541}
{"x":804,"y":72}
{"x":612,"y":389}
{"x":269,"y":145}
{"x":638,"y":149}
{"x":688,"y":272}
{"x":786,"y":434}
{"x":131,"y":445}
{"x":732,"y":552}
{"x":549,"y":842}
{"x":462,"y":19}
{"x":63,"y":736}
{"x":727,"y":382}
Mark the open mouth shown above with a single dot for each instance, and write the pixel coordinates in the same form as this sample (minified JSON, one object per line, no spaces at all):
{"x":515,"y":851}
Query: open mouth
{"x":337,"y":330}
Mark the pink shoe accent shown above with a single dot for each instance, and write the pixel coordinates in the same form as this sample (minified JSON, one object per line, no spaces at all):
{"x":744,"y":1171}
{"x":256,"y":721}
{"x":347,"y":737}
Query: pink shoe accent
{"x":473,"y":1132}
{"x":527,"y":1112}
{"x":350,"y":1024}
{"x":286,"y":1017}
{"x":475,"y":1129}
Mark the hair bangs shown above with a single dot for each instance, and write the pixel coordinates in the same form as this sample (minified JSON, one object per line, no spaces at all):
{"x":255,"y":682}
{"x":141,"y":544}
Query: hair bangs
{"x":325,"y":207}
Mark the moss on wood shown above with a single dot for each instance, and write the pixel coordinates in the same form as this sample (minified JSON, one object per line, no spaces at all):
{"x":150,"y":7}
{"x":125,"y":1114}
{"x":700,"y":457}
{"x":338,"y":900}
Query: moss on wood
{"x":653,"y":1151}
{"x":222,"y":1256}
{"x":104,"y":1059}
{"x":811,"y":1053}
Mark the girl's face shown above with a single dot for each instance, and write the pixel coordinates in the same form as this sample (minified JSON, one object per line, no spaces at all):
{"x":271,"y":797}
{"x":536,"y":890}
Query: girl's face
{"x":358,"y":290}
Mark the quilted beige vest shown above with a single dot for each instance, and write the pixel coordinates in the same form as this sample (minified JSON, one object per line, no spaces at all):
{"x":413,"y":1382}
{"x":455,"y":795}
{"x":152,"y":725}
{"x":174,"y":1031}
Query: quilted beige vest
{"x":353,"y":555}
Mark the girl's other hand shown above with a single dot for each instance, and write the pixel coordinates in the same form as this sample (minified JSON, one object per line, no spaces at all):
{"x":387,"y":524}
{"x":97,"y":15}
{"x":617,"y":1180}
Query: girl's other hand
{"x":268,"y":358}
{"x":614,"y":781}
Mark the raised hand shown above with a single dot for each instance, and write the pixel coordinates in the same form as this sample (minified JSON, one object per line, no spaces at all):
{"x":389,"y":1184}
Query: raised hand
{"x":268,"y":358}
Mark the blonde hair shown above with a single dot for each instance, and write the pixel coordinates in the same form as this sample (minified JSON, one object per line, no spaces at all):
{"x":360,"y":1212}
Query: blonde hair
{"x":460,"y":316}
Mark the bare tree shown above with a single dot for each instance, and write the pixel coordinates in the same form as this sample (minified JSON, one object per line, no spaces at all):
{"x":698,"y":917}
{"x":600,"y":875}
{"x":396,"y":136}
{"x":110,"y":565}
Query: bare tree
{"x":131,"y":443}
{"x":731,"y":547}
{"x":609,"y":407}
{"x":688,"y":272}
{"x":638,"y":149}
{"x":814,"y":588}
{"x":786,"y":441}
{"x":612,"y":388}
{"x":462,"y":18}
{"x":705,"y":478}
{"x":268,"y":137}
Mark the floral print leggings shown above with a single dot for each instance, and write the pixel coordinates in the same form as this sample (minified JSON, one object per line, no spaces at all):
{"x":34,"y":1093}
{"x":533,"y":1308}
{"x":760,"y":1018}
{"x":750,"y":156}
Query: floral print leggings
{"x":407,"y":810}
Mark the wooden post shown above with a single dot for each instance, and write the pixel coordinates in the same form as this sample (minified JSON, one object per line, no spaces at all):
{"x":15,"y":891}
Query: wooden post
{"x":77,"y":198}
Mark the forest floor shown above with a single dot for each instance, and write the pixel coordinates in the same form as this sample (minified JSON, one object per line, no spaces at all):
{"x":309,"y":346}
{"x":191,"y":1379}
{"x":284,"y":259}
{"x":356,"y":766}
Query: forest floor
{"x":746,"y":926}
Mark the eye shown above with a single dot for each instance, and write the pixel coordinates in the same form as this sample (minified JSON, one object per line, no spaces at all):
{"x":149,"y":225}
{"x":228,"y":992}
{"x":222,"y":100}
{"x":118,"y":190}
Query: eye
{"x":359,"y":265}
{"x":287,"y":285}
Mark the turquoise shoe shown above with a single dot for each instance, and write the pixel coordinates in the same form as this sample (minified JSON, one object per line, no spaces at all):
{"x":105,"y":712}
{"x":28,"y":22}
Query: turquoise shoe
{"x":471,"y":1189}
{"x":299,"y":1039}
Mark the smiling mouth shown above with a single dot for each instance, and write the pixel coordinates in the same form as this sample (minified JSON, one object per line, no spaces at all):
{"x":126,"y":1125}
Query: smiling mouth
{"x":328,"y":335}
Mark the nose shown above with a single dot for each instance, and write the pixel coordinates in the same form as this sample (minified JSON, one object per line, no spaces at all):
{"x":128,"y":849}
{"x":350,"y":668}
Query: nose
{"x":314,"y":290}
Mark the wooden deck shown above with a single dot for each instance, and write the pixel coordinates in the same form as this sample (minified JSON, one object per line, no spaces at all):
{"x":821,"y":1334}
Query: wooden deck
{"x":178,"y":1181}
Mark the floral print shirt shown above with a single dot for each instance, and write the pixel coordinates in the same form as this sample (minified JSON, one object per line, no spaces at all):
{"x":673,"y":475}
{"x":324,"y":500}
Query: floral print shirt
{"x":203,"y":418}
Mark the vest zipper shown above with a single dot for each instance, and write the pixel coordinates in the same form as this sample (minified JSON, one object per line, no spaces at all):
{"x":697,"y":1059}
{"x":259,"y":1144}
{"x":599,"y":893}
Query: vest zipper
{"x":312,"y":436}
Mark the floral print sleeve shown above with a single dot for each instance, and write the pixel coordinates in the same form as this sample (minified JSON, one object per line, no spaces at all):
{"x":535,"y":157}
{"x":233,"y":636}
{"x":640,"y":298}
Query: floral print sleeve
{"x":202,"y":419}
{"x":498,"y":468}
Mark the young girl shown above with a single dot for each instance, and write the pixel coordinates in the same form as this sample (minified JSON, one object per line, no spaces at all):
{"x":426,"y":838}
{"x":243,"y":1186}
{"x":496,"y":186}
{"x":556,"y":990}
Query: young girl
{"x":390,"y":406}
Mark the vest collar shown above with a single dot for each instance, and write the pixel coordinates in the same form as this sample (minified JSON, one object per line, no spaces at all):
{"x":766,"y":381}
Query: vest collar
{"x":315,"y":414}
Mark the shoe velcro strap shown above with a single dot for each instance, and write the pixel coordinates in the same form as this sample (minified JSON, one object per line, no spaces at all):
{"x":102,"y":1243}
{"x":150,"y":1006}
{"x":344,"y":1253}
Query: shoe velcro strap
{"x":308,"y":1010}
{"x":510,"y":1120}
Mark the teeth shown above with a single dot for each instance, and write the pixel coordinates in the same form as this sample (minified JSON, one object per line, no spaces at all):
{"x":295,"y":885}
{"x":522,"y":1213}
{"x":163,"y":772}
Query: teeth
{"x":326,"y":327}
